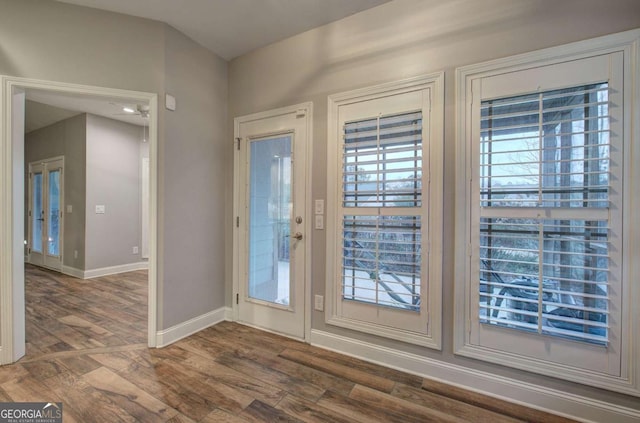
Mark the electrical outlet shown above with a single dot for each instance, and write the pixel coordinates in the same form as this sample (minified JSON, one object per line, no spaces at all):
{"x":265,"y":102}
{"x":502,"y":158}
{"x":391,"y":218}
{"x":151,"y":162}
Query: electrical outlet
{"x":319,"y":303}
{"x":135,"y":250}
{"x":75,"y":254}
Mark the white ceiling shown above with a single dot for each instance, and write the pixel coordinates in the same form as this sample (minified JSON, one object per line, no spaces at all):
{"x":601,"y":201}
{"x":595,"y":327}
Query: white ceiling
{"x":45,"y":108}
{"x":231,"y":28}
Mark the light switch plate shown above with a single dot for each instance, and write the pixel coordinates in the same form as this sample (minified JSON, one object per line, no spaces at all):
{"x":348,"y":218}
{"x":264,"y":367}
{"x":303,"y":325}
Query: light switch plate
{"x":319,"y":207}
{"x":170,"y":102}
{"x":101,"y":209}
{"x":319,"y":222}
{"x":319,"y":303}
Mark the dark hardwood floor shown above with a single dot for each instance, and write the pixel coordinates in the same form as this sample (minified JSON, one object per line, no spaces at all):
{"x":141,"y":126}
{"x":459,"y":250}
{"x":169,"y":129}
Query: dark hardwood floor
{"x":87,"y":349}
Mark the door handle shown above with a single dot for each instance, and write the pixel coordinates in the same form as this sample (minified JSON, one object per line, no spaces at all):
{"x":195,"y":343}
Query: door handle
{"x":297,"y":236}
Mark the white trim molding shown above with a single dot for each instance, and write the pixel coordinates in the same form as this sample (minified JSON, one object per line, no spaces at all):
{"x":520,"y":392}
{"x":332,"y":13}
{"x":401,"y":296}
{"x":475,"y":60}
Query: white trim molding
{"x":72,"y":271}
{"x":11,"y":279}
{"x":538,"y":397}
{"x":191,"y":326}
{"x":105,"y":271}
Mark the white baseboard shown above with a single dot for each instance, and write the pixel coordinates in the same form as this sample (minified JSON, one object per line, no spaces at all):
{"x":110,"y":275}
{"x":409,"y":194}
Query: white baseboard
{"x":182,"y":330}
{"x":541,"y":398}
{"x":104,"y":271}
{"x":72,"y":271}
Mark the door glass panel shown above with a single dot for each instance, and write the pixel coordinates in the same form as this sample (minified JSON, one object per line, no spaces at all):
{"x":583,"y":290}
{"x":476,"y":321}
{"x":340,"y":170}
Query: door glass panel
{"x":53,"y":233}
{"x":270,"y":211}
{"x":37,"y":214}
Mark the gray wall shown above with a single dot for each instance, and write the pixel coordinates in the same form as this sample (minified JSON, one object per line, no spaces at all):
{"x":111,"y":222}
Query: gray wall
{"x":398,"y":40}
{"x":113,"y":180}
{"x":65,"y":138}
{"x":60,"y":42}
{"x":193,"y":181}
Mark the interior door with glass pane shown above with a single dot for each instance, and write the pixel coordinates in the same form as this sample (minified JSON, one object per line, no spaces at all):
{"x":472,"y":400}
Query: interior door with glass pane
{"x":271,"y":223}
{"x":45,"y":213}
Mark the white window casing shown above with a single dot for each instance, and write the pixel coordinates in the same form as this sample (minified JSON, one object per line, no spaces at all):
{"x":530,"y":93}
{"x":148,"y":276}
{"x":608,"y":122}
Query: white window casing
{"x":547,"y":149}
{"x":384,"y":210}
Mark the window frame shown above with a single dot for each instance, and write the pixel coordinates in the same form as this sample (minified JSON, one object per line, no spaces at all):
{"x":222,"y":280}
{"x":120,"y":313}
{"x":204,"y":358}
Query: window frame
{"x":466,"y":320}
{"x":430,"y":210}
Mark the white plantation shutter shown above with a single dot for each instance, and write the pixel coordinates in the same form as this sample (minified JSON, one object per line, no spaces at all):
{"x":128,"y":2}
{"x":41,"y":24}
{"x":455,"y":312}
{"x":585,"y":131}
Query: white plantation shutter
{"x":546,"y":154}
{"x":381,"y":215}
{"x":381,"y":260}
{"x":382,"y":162}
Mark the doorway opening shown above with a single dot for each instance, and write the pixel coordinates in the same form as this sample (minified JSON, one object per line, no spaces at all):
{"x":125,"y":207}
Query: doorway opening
{"x":15,"y":91}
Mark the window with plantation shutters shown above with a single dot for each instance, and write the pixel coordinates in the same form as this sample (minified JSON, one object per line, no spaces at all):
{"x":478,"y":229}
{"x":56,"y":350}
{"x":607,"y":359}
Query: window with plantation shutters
{"x":544,"y":269}
{"x":382,"y":212}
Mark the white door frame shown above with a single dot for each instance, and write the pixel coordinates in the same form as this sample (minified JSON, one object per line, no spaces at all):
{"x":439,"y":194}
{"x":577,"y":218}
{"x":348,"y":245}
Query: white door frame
{"x":12,"y":327}
{"x":303,"y":110}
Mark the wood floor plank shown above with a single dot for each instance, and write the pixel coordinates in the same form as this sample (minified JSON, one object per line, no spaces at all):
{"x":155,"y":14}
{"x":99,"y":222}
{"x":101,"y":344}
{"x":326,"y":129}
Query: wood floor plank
{"x":410,"y":411}
{"x":44,"y":368}
{"x":493,"y":404}
{"x":85,"y":402}
{"x":4,"y":397}
{"x":221,"y":416}
{"x":296,"y":370}
{"x":354,"y":363}
{"x":15,"y":371}
{"x":223,"y":340}
{"x":84,"y":326}
{"x":114,"y":360}
{"x":175,"y":396}
{"x":355,"y":410}
{"x":247,"y":336}
{"x":200,"y":346}
{"x":136,"y":402}
{"x":251,"y":386}
{"x":77,"y":340}
{"x":310,"y":412}
{"x":79,"y":364}
{"x":349,"y":373}
{"x":28,"y":389}
{"x":180,"y":418}
{"x":281,"y":380}
{"x":455,"y":408}
{"x":220,"y":395}
{"x":261,"y":412}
